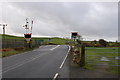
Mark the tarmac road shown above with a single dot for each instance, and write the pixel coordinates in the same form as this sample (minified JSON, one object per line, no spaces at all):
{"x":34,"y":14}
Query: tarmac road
{"x":43,"y":62}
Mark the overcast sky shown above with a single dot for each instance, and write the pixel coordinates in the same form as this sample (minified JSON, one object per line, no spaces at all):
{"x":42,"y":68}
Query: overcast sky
{"x":91,"y":20}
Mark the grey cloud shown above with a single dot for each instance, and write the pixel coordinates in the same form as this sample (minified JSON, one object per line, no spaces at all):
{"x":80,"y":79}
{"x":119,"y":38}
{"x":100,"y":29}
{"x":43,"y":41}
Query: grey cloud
{"x":59,"y":19}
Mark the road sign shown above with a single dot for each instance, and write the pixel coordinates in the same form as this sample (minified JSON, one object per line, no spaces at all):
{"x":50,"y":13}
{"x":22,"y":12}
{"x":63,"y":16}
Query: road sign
{"x":28,"y":40}
{"x":40,"y":40}
{"x":74,"y":35}
{"x":27,"y":35}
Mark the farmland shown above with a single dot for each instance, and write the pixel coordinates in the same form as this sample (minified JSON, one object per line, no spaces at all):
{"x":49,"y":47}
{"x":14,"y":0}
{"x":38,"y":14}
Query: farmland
{"x":57,"y":40}
{"x":10,"y":43}
{"x":99,"y":55}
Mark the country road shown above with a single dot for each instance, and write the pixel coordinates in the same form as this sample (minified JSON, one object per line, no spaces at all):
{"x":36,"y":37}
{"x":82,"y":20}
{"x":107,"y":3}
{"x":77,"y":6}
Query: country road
{"x":43,"y":62}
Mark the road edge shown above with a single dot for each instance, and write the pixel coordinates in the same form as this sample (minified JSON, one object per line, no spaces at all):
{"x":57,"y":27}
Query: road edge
{"x":65,"y":57}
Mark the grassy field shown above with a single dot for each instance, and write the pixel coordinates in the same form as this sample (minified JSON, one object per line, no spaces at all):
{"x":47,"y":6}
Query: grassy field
{"x":60,"y":41}
{"x":94,"y":55}
{"x":102,"y":51}
{"x":45,"y":41}
{"x":10,"y":37}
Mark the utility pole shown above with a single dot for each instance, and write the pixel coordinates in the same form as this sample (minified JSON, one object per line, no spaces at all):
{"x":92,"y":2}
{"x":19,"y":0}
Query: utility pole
{"x":4,"y":25}
{"x":3,"y":37}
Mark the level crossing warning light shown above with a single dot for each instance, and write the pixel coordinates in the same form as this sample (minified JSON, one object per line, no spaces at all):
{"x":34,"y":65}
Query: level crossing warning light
{"x":28,"y":29}
{"x":74,"y":35}
{"x":27,"y":37}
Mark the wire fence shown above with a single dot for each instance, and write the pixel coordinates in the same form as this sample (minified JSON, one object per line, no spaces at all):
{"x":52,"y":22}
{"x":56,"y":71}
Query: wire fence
{"x":108,"y":55}
{"x":13,"y":43}
{"x":0,"y":43}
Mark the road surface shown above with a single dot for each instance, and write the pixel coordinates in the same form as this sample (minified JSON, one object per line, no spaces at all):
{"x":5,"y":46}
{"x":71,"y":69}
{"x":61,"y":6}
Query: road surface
{"x":44,"y":62}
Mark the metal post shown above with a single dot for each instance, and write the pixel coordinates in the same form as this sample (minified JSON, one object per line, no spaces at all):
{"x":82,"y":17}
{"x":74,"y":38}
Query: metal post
{"x":82,"y":61}
{"x":4,"y":25}
{"x":3,"y":30}
{"x":3,"y":36}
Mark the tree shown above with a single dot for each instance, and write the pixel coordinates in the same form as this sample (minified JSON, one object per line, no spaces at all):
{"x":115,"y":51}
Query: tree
{"x":95,"y":42}
{"x":103,"y":43}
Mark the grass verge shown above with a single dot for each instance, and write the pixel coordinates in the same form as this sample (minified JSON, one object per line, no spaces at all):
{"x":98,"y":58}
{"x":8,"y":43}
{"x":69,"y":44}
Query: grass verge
{"x":12,"y":51}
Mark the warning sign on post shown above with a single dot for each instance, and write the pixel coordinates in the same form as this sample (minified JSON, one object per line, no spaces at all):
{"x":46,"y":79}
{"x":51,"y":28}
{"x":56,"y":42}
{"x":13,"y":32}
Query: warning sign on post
{"x":74,"y":35}
{"x":27,"y":37}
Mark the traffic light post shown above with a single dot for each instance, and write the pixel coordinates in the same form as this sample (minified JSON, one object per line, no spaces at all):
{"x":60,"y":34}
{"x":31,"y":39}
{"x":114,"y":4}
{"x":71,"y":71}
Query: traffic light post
{"x":28,"y":39}
{"x":74,"y":36}
{"x":28,"y":33}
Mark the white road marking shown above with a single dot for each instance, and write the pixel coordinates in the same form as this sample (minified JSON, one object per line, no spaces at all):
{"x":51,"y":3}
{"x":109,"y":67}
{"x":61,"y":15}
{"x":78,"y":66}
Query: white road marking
{"x":104,"y":59}
{"x":24,"y":62}
{"x":32,"y":59}
{"x":56,"y":75}
{"x":55,"y":47}
{"x":65,"y":58}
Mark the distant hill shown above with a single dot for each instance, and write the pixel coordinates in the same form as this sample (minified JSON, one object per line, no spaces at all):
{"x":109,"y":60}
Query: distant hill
{"x":10,"y":37}
{"x":54,"y":40}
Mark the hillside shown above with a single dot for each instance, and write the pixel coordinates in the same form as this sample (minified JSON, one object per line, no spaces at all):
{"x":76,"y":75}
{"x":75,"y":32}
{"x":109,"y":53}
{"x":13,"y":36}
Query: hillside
{"x":10,"y":37}
{"x":54,"y":40}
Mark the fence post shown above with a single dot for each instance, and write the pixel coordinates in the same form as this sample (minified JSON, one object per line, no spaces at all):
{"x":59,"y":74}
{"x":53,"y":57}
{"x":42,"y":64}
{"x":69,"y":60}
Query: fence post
{"x":82,"y":61}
